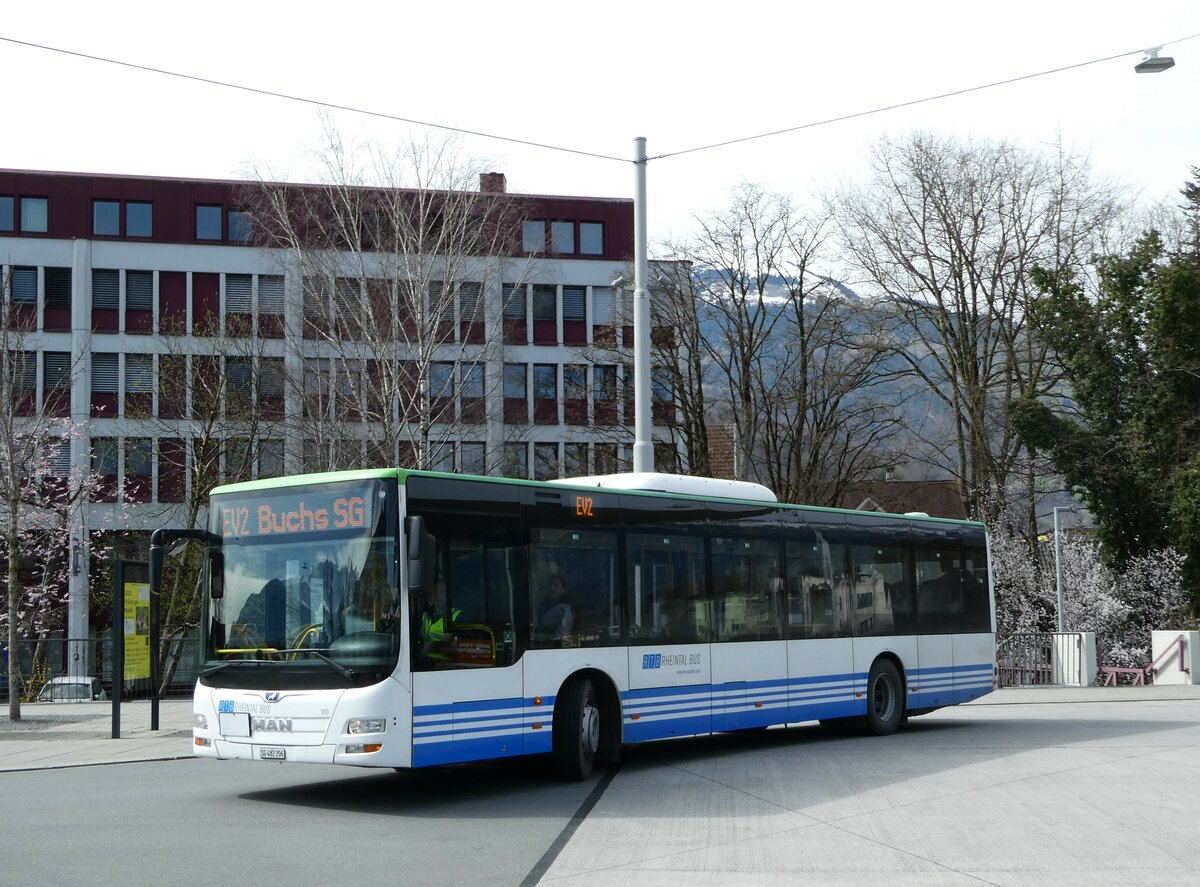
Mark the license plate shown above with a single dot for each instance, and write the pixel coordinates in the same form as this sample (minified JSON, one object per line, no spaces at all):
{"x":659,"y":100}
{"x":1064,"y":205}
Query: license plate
{"x":270,"y":753}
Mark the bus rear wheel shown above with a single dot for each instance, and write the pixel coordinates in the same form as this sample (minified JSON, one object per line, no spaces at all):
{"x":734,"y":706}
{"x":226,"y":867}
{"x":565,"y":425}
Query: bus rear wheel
{"x":576,"y":730}
{"x":885,"y":698}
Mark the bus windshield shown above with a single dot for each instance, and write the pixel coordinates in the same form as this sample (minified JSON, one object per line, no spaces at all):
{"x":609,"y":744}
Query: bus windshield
{"x":305,"y":583}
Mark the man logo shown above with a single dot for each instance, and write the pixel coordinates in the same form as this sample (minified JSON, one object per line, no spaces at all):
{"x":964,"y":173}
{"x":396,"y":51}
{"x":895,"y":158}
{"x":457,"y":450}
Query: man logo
{"x":272,"y":725}
{"x":273,"y":697}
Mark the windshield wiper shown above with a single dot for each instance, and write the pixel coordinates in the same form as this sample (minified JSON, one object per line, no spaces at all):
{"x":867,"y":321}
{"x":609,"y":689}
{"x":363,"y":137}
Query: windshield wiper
{"x":345,"y":672}
{"x":221,"y":666}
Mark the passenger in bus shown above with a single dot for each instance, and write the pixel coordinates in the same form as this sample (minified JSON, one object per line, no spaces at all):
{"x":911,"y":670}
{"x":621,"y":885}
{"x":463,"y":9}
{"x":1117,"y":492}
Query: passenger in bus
{"x":433,"y":621}
{"x":677,"y":625}
{"x":555,"y":617}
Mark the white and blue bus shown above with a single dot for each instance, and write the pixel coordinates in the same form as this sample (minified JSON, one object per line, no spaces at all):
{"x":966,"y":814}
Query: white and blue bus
{"x":393,"y":618}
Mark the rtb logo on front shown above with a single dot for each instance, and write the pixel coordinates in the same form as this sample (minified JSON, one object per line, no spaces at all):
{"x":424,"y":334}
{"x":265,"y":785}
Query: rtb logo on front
{"x":651,"y":660}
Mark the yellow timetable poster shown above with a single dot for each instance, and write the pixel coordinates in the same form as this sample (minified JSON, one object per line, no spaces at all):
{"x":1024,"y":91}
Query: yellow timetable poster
{"x":137,"y":630}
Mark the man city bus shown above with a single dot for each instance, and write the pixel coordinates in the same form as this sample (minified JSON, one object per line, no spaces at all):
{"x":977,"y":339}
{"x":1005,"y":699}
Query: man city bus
{"x":395,"y":618}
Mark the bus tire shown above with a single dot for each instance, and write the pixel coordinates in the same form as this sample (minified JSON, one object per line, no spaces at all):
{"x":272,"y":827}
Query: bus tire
{"x":885,"y":698}
{"x":576,"y":730}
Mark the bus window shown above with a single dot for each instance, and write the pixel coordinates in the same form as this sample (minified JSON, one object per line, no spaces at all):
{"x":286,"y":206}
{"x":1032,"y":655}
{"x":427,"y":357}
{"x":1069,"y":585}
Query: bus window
{"x":882,"y":595}
{"x":818,"y":588}
{"x":747,"y":583}
{"x":665,"y":589}
{"x":471,"y":616}
{"x":575,"y":588}
{"x":977,"y":604}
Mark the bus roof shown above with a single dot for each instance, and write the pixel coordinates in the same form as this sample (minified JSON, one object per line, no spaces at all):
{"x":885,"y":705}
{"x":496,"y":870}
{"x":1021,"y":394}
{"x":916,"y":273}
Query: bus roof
{"x":638,"y":484}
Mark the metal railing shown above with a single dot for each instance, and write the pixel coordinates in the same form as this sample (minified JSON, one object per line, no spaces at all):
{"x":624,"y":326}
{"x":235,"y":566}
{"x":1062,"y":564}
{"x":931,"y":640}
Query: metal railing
{"x":1046,"y":658}
{"x":40,"y":660}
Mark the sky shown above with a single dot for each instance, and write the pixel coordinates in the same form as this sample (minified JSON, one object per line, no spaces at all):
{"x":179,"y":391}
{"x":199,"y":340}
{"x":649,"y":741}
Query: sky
{"x":591,"y":77}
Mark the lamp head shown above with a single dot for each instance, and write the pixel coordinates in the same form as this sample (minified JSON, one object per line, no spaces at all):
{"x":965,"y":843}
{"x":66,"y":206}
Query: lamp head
{"x":1153,"y":63}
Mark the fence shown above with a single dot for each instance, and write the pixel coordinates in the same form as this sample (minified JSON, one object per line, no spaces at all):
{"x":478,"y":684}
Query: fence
{"x":1049,"y":658}
{"x":40,"y":660}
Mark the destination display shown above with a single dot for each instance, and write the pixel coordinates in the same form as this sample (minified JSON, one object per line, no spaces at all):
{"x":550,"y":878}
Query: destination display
{"x":308,"y":510}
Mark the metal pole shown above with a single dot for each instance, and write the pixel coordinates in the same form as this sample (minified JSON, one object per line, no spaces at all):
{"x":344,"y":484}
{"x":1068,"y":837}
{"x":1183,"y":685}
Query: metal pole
{"x":118,"y":644}
{"x":1058,"y":582}
{"x":643,"y":449}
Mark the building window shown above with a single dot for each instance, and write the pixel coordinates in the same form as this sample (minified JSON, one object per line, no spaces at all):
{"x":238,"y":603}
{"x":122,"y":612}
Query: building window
{"x":208,"y":222}
{"x":56,"y":371}
{"x":562,"y":237}
{"x":441,"y":380}
{"x":574,"y":382}
{"x":473,"y":457}
{"x":35,"y":214}
{"x":241,"y":226}
{"x":514,"y":301}
{"x":573,"y":303}
{"x":139,"y":373}
{"x":443,"y":456}
{"x":6,"y":213}
{"x":104,"y":456}
{"x":514,"y":381}
{"x":104,"y":373}
{"x":106,"y":218}
{"x":270,"y":376}
{"x":139,"y":290}
{"x":58,"y":288}
{"x":270,"y":294}
{"x":575,"y":459}
{"x":24,"y":286}
{"x":591,"y":238}
{"x":533,"y":237}
{"x":545,"y":461}
{"x":137,"y":456}
{"x":106,"y":289}
{"x":139,"y":219}
{"x":59,"y":458}
{"x":516,"y":460}
{"x":545,"y":314}
{"x":604,"y":306}
{"x":472,"y":381}
{"x":604,"y":383}
{"x":545,"y":381}
{"x":270,"y":458}
{"x":237,"y":293}
{"x":606,"y":458}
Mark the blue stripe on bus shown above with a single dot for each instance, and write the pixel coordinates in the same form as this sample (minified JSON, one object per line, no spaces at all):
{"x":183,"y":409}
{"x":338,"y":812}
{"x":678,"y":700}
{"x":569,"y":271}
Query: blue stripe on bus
{"x":503,"y":727}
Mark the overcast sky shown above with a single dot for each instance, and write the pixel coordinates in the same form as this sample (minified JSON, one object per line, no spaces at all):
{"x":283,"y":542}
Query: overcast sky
{"x":591,"y":76}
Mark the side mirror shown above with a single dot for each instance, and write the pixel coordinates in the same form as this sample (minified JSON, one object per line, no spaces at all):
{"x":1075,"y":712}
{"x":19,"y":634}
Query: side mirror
{"x":422,"y":553}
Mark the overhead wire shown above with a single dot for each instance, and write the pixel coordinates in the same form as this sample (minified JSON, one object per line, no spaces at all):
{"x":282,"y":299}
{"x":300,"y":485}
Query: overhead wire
{"x":577,"y":151}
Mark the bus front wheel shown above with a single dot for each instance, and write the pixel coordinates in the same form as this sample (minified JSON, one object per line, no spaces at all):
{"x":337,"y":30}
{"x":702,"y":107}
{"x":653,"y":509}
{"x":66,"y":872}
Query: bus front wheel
{"x":576,"y":730}
{"x":885,"y":698}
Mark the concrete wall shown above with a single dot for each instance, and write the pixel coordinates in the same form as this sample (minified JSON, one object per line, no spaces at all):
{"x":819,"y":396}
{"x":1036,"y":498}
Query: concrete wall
{"x":1172,"y":668}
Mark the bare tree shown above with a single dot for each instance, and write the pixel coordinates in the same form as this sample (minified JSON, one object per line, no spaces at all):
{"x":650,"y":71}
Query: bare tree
{"x":220,"y":419}
{"x":775,"y":349}
{"x":947,"y":232}
{"x":398,"y":257}
{"x":42,"y":497}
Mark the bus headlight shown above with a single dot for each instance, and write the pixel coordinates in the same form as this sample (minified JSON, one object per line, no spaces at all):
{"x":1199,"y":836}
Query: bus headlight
{"x":366,"y":725}
{"x":200,"y":722}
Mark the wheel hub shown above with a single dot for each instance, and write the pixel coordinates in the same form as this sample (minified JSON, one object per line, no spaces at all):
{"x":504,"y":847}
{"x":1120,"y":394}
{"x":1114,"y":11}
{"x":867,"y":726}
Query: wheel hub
{"x":590,"y":728}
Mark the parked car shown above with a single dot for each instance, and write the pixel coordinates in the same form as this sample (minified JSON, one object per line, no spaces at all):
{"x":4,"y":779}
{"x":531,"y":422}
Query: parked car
{"x":72,"y":689}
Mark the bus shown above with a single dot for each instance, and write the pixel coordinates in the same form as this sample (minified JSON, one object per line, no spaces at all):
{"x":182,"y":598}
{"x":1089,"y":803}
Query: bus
{"x":404,"y":619}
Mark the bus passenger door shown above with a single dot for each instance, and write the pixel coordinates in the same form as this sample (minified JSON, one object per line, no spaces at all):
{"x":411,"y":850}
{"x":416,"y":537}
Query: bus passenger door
{"x":669,"y":620}
{"x":466,"y":641}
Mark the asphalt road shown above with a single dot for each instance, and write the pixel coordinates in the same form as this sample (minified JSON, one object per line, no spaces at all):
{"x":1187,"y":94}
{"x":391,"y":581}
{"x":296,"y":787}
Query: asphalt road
{"x":1091,"y":792}
{"x":194,"y":822}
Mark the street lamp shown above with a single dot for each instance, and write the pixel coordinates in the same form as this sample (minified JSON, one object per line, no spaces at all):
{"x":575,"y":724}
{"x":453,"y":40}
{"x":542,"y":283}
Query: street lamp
{"x":1058,"y":584}
{"x":1152,"y":63}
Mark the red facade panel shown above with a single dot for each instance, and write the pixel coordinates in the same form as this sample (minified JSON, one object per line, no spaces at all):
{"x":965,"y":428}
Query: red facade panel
{"x":172,"y":303}
{"x":171,"y":459}
{"x":206,"y":304}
